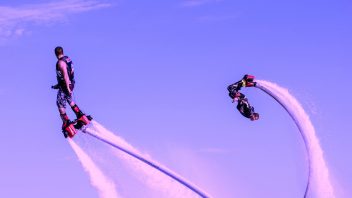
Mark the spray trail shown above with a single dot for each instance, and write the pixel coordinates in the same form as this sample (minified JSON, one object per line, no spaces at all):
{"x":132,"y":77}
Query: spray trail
{"x":149,"y":167}
{"x":105,"y":187}
{"x":318,"y":178}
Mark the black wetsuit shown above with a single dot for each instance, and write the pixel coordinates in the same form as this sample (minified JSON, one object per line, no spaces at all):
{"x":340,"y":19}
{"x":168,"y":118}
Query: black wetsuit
{"x":234,"y":88}
{"x":243,"y":105}
{"x":244,"y":108}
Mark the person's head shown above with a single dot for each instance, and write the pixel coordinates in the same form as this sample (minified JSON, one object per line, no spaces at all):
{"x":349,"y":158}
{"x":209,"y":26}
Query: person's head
{"x":59,"y":51}
{"x":255,"y":116}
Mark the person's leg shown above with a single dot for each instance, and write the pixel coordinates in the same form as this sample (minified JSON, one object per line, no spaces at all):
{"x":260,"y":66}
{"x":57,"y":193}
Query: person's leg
{"x":61,"y":104}
{"x":63,"y":114}
{"x":74,"y":107}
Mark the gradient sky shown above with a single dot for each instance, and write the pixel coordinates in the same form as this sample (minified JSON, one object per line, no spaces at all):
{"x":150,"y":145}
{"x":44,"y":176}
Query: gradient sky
{"x":156,"y":73}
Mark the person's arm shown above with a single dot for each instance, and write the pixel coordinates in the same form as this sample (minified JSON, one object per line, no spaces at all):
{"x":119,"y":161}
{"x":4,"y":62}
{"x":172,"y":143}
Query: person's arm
{"x":63,"y":68}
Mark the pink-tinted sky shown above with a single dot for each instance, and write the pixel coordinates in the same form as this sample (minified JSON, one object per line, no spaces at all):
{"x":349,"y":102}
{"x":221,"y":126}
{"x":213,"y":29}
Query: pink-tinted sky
{"x":156,"y":72}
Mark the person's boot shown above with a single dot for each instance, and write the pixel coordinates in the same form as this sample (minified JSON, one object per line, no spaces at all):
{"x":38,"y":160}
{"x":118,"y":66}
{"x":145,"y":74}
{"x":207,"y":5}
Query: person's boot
{"x":82,"y":119}
{"x":248,"y":81}
{"x":67,"y":128}
{"x":77,"y":111}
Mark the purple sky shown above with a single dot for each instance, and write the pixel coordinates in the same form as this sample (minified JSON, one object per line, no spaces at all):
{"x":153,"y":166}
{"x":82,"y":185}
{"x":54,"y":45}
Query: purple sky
{"x":156,"y":74}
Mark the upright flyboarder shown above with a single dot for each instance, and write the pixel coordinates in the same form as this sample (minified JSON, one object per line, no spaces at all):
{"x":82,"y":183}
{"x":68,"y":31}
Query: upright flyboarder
{"x":243,"y":105}
{"x":65,"y":85}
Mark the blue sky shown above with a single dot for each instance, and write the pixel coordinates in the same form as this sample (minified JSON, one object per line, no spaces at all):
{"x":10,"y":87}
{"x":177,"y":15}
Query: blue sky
{"x":156,"y":73}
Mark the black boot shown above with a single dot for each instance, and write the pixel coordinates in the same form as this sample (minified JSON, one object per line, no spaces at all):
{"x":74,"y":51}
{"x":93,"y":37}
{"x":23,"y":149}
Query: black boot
{"x":77,"y":111}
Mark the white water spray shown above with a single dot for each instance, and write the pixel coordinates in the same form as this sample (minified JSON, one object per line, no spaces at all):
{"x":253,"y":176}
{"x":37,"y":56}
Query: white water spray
{"x":318,"y":182}
{"x":150,"y":172}
{"x":104,"y":186}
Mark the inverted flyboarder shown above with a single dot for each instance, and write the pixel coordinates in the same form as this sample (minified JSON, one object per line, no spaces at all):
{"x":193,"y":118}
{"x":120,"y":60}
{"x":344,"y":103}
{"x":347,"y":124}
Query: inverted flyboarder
{"x":243,"y":105}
